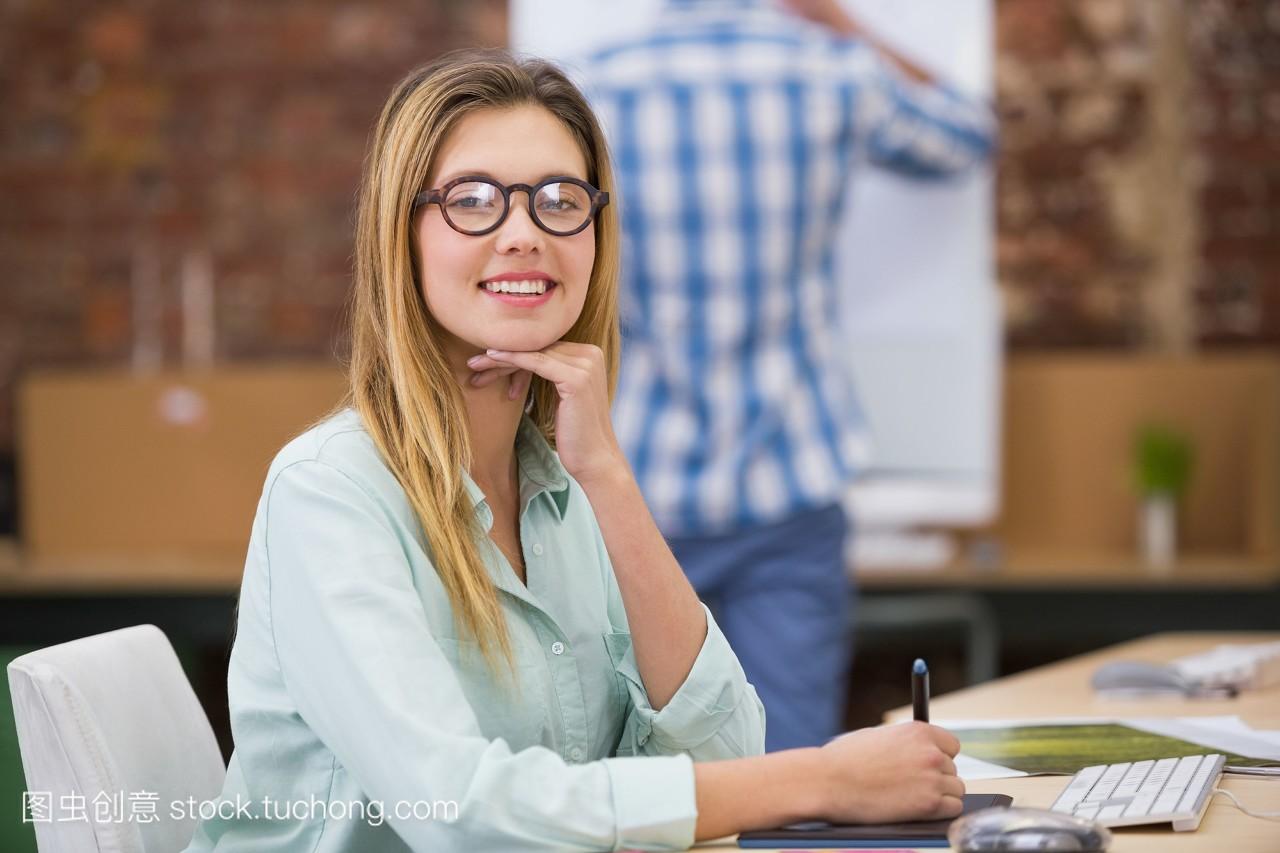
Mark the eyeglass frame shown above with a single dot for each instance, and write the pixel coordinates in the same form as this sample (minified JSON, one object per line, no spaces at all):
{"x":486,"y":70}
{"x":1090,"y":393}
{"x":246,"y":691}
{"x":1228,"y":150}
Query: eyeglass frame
{"x":599,"y":199}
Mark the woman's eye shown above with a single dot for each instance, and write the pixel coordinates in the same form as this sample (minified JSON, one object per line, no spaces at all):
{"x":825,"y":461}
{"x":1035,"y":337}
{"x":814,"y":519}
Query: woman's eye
{"x":561,"y":204}
{"x":470,"y":203}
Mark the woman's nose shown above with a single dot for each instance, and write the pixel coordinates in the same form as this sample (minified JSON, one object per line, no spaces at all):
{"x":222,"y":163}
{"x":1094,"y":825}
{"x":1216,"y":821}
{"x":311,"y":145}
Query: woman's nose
{"x":519,"y":232}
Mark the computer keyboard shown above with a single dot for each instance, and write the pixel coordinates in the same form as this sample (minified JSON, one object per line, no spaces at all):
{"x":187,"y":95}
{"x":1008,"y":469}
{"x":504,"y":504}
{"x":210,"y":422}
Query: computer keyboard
{"x":1243,"y":666}
{"x":1171,"y":790}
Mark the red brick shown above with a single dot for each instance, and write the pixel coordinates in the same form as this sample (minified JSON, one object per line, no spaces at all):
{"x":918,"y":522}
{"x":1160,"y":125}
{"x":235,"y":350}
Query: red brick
{"x":117,"y":35}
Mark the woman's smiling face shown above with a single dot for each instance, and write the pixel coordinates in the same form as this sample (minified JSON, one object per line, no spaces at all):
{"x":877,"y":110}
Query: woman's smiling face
{"x":516,"y":145}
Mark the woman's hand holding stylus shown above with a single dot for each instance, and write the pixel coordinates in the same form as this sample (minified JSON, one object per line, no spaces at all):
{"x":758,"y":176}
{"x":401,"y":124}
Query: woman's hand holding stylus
{"x":882,"y":775}
{"x":894,"y":773}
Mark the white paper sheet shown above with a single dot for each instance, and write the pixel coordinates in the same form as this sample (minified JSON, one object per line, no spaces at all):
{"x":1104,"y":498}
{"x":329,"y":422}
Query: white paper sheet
{"x":1226,"y":734}
{"x":970,"y":768}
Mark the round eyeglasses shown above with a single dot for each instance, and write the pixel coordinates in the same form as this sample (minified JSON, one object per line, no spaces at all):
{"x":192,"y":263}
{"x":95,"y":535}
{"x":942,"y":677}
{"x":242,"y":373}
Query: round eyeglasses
{"x":476,"y":205}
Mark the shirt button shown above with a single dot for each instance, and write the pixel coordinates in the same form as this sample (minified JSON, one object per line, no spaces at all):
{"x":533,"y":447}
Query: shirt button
{"x":537,"y":549}
{"x":575,"y":754}
{"x":557,"y":648}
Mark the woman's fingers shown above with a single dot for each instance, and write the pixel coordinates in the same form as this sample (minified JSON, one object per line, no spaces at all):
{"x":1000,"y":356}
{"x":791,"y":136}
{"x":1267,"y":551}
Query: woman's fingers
{"x":483,"y":362}
{"x":945,"y":740}
{"x":481,"y":378}
{"x":521,"y":366}
{"x":953,"y":786}
{"x":555,"y":353}
{"x":519,"y":385}
{"x":558,"y":370}
{"x":582,"y":356}
{"x":951,"y":806}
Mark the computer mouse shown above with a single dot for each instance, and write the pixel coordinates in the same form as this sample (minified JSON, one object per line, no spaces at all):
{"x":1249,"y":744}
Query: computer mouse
{"x":1139,"y":676}
{"x":1022,"y":829}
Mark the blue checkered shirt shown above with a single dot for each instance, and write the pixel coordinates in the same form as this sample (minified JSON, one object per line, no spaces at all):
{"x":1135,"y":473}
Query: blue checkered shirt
{"x":734,"y":130}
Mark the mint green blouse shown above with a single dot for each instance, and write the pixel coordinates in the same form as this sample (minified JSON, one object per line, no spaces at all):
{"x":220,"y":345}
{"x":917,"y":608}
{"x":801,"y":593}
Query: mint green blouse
{"x":362,"y":722}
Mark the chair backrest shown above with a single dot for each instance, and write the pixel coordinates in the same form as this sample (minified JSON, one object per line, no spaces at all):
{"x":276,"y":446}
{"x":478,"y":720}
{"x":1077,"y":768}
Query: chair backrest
{"x":112,"y":736}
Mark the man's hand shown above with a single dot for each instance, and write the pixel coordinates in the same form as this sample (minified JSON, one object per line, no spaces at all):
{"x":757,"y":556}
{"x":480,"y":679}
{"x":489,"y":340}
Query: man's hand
{"x":828,"y":13}
{"x":832,"y":15}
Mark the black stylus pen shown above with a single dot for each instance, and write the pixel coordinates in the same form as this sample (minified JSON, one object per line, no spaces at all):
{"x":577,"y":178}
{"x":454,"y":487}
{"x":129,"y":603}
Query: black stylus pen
{"x":920,"y":690}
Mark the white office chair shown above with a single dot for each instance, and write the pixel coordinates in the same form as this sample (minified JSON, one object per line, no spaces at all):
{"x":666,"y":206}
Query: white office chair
{"x":112,"y":719}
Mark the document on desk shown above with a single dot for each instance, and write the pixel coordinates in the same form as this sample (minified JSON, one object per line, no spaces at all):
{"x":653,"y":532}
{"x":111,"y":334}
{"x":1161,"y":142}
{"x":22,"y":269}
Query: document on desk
{"x":970,"y":769}
{"x":1066,"y":745}
{"x":1227,"y":734}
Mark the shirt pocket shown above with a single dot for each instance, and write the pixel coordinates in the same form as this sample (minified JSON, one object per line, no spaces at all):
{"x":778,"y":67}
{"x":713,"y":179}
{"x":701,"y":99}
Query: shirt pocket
{"x":507,"y":703}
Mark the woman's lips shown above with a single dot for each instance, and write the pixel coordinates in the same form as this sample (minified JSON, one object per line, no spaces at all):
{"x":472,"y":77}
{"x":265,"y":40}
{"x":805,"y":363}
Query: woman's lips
{"x":522,"y":300}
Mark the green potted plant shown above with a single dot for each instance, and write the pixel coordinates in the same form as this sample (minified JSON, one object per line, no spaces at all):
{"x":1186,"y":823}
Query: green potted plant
{"x":1162,"y":468}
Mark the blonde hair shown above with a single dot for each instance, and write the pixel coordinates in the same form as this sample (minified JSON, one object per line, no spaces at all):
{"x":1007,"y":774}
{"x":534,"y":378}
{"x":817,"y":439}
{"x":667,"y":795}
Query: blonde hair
{"x":400,"y":381}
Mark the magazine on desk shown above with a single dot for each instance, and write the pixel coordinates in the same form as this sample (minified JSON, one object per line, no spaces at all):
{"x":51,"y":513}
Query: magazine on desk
{"x":1065,"y":746}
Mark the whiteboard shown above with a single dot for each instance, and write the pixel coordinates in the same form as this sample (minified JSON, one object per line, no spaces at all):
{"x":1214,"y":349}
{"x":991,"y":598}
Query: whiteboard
{"x":919,"y":303}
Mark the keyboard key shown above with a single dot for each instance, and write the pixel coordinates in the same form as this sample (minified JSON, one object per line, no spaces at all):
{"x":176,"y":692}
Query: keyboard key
{"x":1110,"y":778}
{"x":1133,"y":779}
{"x":1190,"y":799}
{"x":1087,"y":812}
{"x":1141,"y":804}
{"x":1080,"y":785}
{"x":1159,"y":774}
{"x":1172,"y":792}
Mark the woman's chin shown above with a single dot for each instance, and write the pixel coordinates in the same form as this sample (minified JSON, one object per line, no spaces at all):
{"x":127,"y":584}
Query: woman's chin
{"x":520,"y":341}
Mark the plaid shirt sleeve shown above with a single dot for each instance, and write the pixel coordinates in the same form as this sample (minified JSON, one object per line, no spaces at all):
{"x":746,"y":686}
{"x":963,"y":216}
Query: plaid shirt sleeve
{"x":925,"y":130}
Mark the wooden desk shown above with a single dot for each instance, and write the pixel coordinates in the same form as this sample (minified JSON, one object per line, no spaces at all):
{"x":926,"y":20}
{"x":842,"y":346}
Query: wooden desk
{"x":1062,"y":689}
{"x":1031,"y":568}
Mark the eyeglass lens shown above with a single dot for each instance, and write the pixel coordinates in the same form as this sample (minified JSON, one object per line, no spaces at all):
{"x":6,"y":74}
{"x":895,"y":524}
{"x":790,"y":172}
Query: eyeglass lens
{"x":477,"y":205}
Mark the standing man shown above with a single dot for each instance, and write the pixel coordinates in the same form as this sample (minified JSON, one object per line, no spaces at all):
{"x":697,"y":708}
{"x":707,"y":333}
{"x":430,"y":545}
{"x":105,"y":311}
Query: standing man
{"x":735,"y":126}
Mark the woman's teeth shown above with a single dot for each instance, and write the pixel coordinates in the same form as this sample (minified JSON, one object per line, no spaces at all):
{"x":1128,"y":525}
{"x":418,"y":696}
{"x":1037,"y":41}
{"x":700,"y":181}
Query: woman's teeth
{"x":534,"y":286}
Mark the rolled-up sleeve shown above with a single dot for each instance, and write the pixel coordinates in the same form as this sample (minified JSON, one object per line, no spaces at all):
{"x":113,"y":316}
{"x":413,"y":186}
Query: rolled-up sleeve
{"x":360,"y":662}
{"x":916,"y":129}
{"x":714,"y":714}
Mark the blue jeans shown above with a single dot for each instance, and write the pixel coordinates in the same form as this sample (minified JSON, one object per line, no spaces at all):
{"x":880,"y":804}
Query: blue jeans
{"x":782,"y":597}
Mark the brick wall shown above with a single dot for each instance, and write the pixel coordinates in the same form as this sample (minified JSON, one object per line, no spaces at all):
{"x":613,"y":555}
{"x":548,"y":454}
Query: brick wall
{"x":139,"y":138}
{"x":1139,"y":182}
{"x":1139,"y":185}
{"x":1235,"y":49}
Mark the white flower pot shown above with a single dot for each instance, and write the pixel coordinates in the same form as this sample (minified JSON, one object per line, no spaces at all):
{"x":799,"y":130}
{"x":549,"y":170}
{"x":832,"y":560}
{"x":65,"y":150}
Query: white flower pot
{"x":1158,"y":531}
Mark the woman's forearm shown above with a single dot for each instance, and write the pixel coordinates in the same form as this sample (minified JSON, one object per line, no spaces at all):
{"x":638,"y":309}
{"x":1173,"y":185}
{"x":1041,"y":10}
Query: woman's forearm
{"x":882,"y":775}
{"x":760,"y":792}
{"x":668,"y":626}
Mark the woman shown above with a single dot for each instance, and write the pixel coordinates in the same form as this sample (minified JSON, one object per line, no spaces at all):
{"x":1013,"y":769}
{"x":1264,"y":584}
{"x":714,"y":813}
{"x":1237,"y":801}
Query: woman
{"x":451,"y":636}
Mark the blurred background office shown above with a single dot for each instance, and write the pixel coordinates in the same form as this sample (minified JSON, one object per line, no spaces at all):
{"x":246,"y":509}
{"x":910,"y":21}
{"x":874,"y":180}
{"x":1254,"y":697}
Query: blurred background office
{"x":176,"y":195}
